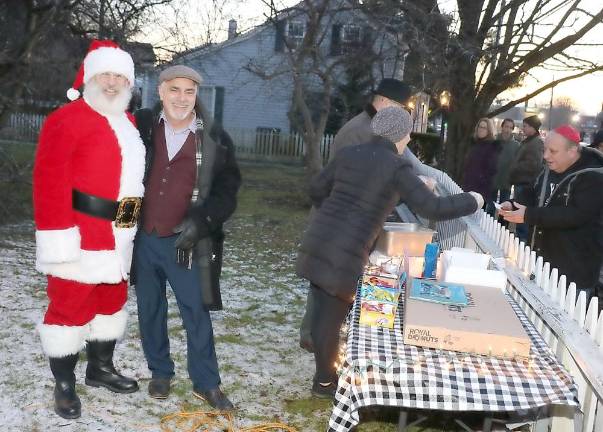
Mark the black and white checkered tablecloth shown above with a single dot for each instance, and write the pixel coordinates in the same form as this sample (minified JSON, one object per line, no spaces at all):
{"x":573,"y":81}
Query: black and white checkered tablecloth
{"x":380,"y":370}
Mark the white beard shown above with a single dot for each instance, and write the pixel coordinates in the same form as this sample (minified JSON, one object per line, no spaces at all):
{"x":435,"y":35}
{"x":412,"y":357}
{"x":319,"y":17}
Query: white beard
{"x":94,"y":96}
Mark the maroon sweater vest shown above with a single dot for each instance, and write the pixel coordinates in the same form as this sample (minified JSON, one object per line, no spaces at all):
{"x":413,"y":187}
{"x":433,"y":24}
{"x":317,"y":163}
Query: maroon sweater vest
{"x":169,"y":186}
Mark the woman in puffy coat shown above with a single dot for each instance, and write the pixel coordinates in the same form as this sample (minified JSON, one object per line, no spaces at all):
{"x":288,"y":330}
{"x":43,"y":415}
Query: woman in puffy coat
{"x":353,"y":195}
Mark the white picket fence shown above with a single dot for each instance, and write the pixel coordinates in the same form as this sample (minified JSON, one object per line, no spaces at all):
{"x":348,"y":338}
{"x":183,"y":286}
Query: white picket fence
{"x":274,"y":145}
{"x":22,"y":127}
{"x":572,"y":328}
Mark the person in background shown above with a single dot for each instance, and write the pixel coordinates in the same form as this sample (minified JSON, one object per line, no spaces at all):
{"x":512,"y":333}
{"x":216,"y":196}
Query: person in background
{"x":597,"y":141}
{"x":527,"y":164}
{"x":508,"y":150}
{"x":481,"y":161}
{"x":564,"y":209}
{"x":353,"y":195}
{"x":389,"y":92}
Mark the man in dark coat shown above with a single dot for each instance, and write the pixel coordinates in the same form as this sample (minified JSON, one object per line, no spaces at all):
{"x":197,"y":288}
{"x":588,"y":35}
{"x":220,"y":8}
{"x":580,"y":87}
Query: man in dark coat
{"x":527,"y":164}
{"x":353,"y":196}
{"x":191,"y":181}
{"x":564,"y":208}
{"x":389,"y":92}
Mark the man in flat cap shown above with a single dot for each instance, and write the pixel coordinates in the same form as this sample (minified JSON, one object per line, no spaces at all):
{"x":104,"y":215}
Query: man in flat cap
{"x":191,"y":182}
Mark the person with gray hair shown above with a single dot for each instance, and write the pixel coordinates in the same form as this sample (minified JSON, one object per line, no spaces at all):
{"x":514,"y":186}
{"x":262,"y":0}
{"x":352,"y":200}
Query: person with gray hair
{"x":191,"y":183}
{"x":353,"y":195}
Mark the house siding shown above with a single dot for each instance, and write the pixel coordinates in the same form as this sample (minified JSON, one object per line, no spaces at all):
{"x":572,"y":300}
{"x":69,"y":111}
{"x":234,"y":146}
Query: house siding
{"x":251,"y":102}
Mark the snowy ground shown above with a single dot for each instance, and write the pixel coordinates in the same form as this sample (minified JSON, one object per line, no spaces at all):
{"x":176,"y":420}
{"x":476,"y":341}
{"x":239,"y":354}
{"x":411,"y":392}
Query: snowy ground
{"x":263,"y":371}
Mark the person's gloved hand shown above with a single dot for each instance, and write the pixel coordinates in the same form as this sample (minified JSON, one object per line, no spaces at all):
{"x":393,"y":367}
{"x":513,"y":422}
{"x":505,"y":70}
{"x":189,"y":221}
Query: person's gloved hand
{"x":189,"y":234}
{"x":479,"y":198}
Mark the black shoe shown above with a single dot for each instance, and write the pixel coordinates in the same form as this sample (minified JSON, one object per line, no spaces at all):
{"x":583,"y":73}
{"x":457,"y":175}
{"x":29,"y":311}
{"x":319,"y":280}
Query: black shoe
{"x":159,"y":388}
{"x":321,"y":391}
{"x":100,"y":371}
{"x":215,"y":398}
{"x":66,"y":402}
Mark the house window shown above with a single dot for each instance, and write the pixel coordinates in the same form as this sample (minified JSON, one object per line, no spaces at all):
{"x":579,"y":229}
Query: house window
{"x":351,"y":34}
{"x":295,"y":33}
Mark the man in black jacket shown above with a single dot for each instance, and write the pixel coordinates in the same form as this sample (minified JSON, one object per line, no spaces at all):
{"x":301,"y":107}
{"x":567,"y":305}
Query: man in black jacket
{"x":564,"y":208}
{"x":191,"y":182}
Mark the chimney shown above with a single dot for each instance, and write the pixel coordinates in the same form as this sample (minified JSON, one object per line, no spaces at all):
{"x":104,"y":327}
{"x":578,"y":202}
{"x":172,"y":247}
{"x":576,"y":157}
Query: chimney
{"x":232,"y":29}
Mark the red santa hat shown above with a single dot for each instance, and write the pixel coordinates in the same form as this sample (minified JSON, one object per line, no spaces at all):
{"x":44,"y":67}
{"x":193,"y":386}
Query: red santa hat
{"x":568,"y":132}
{"x":103,"y":56}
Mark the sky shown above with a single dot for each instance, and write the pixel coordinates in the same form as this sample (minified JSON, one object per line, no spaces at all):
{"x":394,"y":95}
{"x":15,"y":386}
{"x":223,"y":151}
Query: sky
{"x":586,"y":92}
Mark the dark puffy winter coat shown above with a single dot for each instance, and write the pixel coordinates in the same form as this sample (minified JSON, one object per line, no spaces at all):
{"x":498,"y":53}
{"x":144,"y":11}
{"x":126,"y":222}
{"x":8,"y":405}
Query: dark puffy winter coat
{"x":480,"y":167}
{"x":353,"y":196}
{"x":567,"y":229}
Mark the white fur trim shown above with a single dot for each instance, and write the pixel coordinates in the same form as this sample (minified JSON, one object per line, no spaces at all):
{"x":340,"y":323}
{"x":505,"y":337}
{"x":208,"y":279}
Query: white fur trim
{"x":72,"y":94}
{"x":108,"y":327}
{"x":130,"y":184}
{"x":108,"y":59}
{"x":109,"y":266}
{"x":92,"y":267}
{"x":61,"y":341}
{"x":58,"y":246}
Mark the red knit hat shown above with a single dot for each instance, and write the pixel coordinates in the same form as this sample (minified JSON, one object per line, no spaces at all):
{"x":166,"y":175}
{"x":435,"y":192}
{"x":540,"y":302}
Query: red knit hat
{"x":568,"y":132}
{"x":102,"y":56}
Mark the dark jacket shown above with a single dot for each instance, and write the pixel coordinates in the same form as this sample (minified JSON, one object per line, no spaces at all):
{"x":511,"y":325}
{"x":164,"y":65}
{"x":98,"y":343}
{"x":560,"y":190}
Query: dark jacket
{"x":218,"y":183}
{"x":528,"y":161}
{"x":355,"y":131}
{"x":480,"y":167}
{"x":353,"y":195}
{"x":506,"y":156}
{"x":567,"y":228}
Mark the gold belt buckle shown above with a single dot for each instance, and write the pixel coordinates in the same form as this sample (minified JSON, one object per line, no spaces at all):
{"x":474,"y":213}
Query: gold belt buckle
{"x":127,"y":212}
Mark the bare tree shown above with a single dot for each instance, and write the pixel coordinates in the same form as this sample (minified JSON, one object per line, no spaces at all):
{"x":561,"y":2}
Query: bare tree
{"x":31,"y":29}
{"x":492,"y":46}
{"x":187,"y":25}
{"x":313,"y":58}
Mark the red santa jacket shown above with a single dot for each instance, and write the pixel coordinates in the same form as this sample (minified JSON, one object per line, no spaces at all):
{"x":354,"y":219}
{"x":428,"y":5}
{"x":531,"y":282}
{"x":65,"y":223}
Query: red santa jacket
{"x":97,"y":154}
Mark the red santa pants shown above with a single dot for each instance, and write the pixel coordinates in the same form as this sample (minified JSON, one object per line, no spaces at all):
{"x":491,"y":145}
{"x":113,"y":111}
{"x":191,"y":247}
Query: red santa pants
{"x":75,"y":304}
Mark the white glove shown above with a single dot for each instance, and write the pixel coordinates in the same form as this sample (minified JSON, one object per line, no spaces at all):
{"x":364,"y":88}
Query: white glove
{"x":479,"y":198}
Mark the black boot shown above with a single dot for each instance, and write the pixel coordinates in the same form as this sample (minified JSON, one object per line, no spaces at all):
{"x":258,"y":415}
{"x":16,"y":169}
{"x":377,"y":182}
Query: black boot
{"x":101,"y":372}
{"x":66,"y":402}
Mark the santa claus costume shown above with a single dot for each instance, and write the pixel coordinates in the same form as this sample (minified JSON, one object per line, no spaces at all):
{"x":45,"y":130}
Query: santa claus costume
{"x":88,"y":170}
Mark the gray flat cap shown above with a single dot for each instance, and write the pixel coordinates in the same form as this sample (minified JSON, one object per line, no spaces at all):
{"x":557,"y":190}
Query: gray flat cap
{"x":180,"y":71}
{"x":392,"y":123}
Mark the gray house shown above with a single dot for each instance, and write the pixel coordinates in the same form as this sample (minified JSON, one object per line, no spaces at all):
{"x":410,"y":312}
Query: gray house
{"x":246,"y":84}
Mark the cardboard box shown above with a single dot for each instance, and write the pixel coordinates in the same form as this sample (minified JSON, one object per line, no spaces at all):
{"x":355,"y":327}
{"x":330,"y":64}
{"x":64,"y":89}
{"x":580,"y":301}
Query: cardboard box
{"x":488,"y":325}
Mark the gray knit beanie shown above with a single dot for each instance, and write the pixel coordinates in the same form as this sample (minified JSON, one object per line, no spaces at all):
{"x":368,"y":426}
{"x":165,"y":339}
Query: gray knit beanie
{"x":392,"y":123}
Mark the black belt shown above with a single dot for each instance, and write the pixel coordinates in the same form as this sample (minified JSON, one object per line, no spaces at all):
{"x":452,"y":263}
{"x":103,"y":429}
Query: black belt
{"x":125,"y":212}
